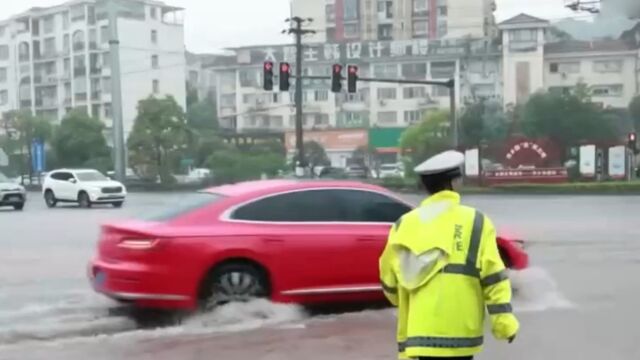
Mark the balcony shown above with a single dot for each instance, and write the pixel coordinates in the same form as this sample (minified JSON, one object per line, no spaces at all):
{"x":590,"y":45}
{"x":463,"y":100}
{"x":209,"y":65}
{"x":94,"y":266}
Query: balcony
{"x":47,"y":103}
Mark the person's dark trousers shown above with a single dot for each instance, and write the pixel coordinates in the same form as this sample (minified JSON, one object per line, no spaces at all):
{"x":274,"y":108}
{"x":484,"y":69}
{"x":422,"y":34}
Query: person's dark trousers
{"x":447,"y":358}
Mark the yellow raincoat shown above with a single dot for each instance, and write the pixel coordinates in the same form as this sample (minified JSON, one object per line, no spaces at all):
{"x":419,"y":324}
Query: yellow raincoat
{"x":441,"y":268}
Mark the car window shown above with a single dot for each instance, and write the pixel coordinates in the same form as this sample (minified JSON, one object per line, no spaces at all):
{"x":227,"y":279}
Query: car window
{"x":367,"y":206}
{"x":61,"y":176}
{"x":185,"y":205}
{"x":301,"y":206}
{"x":91,"y":176}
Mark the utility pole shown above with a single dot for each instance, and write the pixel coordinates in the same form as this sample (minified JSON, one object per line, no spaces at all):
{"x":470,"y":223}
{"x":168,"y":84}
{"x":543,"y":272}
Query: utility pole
{"x":116,"y":92}
{"x":297,"y":30}
{"x":454,"y":119}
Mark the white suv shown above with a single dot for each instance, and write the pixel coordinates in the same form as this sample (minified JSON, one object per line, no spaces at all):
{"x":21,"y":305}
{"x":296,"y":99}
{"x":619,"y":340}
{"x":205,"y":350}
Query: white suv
{"x":83,"y":186}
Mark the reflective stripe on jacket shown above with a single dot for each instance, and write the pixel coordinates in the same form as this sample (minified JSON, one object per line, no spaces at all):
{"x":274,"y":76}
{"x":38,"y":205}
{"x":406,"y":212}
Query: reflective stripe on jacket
{"x":441,"y":268}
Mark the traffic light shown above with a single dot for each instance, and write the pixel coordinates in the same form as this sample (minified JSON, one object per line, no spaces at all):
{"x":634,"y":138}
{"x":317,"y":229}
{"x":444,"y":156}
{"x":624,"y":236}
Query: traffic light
{"x":268,"y":75}
{"x":352,"y":78}
{"x":633,"y":142}
{"x":336,"y":78}
{"x":285,"y":74}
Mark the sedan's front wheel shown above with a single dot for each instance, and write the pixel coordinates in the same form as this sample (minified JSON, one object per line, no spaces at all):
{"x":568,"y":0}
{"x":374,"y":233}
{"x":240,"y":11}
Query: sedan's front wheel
{"x":236,"y":282}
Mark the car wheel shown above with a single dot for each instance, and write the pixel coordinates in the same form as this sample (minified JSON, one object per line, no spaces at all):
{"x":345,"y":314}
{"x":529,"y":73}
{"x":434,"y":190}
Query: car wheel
{"x":83,"y":200}
{"x":18,"y":207}
{"x":50,"y":199}
{"x":118,"y":204}
{"x":236,"y":282}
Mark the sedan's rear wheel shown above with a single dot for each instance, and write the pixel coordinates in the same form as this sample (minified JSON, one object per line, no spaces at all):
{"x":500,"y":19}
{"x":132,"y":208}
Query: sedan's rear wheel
{"x":50,"y":199}
{"x":235,"y":282}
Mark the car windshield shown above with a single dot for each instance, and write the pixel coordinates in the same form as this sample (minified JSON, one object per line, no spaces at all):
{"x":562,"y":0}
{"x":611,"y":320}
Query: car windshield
{"x":184,"y":205}
{"x":91,"y":176}
{"x":3,"y":178}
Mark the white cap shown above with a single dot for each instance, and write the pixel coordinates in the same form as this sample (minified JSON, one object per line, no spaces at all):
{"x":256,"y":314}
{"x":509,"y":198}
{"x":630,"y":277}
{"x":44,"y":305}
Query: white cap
{"x":441,"y":163}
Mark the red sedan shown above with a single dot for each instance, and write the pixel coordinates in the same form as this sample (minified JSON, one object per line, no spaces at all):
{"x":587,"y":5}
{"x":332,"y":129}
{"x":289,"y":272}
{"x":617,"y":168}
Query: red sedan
{"x":292,"y":241}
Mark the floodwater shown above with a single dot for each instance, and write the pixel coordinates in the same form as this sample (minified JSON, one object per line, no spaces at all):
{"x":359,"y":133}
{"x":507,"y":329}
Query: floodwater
{"x":577,"y":301}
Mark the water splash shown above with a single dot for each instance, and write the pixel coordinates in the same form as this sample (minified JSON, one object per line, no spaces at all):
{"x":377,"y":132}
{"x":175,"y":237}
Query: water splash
{"x":537,"y":291}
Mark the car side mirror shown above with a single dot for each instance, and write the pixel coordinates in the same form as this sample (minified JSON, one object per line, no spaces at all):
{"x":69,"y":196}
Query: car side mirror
{"x":73,"y":181}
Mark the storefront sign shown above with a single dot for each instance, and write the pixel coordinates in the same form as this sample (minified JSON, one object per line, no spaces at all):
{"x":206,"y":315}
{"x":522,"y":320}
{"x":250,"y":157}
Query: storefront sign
{"x":331,"y":140}
{"x":526,"y":146}
{"x":550,"y":175}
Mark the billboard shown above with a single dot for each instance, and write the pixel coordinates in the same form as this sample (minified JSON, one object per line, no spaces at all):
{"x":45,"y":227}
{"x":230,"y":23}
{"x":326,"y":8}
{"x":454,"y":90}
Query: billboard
{"x":472,"y":162}
{"x":331,"y":140}
{"x":588,"y":160}
{"x":617,"y":162}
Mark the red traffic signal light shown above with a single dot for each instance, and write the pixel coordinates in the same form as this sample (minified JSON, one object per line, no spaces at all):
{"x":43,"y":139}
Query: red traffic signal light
{"x":268,"y":75}
{"x":285,"y":74}
{"x":352,"y":78}
{"x":336,"y":78}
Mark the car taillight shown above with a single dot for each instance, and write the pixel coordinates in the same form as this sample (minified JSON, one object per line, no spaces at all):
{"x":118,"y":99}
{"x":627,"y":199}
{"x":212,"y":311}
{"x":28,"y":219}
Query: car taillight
{"x":138,"y":244}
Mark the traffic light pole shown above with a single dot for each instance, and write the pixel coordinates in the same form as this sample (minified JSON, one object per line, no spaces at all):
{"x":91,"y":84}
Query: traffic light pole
{"x":298,"y":31}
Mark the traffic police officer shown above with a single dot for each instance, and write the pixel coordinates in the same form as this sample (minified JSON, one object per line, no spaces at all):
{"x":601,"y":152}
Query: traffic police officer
{"x":441,"y":268}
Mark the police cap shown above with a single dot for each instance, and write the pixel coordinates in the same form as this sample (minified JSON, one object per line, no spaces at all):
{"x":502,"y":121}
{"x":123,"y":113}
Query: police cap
{"x":446,"y":163}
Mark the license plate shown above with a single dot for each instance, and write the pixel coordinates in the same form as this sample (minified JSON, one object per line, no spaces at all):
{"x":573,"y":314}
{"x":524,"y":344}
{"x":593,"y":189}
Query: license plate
{"x":99,"y":279}
{"x":14,"y":198}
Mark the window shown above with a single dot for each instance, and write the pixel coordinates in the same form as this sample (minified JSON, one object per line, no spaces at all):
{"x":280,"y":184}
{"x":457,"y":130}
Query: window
{"x":321,"y":119}
{"x":366,"y":206}
{"x":524,"y":35}
{"x":67,"y":67}
{"x":387,"y":93}
{"x":420,"y":6}
{"x":607,"y":90}
{"x":413,"y":116}
{"x":388,"y":118}
{"x":154,"y":36}
{"x":414,"y":92}
{"x":108,"y":112}
{"x":330,"y":11}
{"x":153,"y":12}
{"x":93,"y":39}
{"x":385,"y":9}
{"x":104,"y":34}
{"x":321,"y":95}
{"x":24,"y":52}
{"x":4,"y":52}
{"x":565,"y":67}
{"x":443,"y":69}
{"x":276,"y":98}
{"x":106,"y":85}
{"x":441,"y":91}
{"x":49,"y":47}
{"x":248,"y":78}
{"x":388,"y":71}
{"x":294,"y":207}
{"x":48,"y":24}
{"x":608,"y":66}
{"x":155,"y":61}
{"x":414,"y":71}
{"x":3,"y":75}
{"x":4,"y":97}
{"x":66,"y":44}
{"x":385,"y":32}
{"x":420,"y":27}
{"x":186,"y":204}
{"x":78,"y":41}
{"x":77,"y":13}
{"x":156,"y":86}
{"x":443,"y":29}
{"x":65,"y":20}
{"x":351,"y":9}
{"x":351,"y":30}
{"x":443,"y":10}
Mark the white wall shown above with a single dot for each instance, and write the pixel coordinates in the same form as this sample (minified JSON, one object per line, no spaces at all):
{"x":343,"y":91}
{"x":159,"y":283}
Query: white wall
{"x":465,"y":18}
{"x":312,"y":9}
{"x":135,"y":63}
{"x":587,"y":75}
{"x":510,"y":62}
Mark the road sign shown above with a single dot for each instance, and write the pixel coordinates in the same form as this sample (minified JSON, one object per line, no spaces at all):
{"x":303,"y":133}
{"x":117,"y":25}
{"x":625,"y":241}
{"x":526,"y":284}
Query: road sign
{"x":38,"y":156}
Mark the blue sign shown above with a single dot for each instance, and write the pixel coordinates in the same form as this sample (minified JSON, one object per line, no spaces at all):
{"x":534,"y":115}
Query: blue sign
{"x":38,"y":156}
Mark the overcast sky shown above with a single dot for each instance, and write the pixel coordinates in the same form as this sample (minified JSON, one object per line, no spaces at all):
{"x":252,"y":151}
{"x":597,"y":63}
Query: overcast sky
{"x":211,"y":26}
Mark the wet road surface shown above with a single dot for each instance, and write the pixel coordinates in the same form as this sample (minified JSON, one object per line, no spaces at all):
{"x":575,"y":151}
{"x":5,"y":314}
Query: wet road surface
{"x":579,"y":300}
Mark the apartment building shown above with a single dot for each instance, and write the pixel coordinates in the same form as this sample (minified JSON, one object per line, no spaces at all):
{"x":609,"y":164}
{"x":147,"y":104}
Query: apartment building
{"x":353,"y":20}
{"x":56,"y":59}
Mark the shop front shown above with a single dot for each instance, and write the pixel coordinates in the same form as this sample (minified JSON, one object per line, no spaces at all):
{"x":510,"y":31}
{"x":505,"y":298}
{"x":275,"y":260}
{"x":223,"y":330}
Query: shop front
{"x":386,"y":143}
{"x":338,"y":144}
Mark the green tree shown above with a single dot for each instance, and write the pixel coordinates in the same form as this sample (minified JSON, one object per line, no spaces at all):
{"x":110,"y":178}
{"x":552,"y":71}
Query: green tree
{"x":483,"y":121}
{"x":202,"y":115}
{"x":232,"y":165}
{"x":566,"y":118}
{"x":79,"y":142}
{"x":315,"y":155}
{"x":634,"y":111}
{"x":427,"y":138}
{"x":160,"y":137}
{"x":25,"y":128}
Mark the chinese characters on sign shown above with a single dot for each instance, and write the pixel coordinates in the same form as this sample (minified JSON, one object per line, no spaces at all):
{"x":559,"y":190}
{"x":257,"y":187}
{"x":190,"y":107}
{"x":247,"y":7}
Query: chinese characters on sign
{"x":527,"y":145}
{"x":355,"y":51}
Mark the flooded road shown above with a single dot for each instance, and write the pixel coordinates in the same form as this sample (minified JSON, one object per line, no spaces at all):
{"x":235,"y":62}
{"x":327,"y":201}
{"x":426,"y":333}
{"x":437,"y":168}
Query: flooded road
{"x":578,"y":301}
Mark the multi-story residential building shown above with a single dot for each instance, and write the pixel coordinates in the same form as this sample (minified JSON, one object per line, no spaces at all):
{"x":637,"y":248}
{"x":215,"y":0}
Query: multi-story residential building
{"x":56,"y":59}
{"x":352,"y":20}
{"x":200,"y":75}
